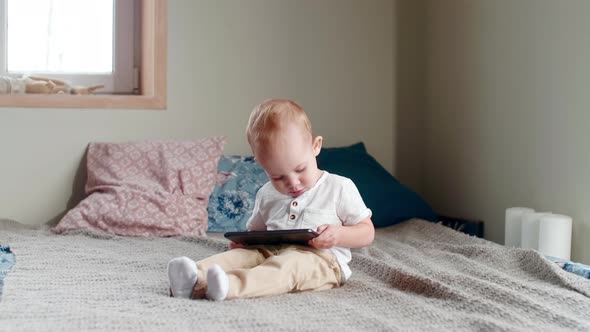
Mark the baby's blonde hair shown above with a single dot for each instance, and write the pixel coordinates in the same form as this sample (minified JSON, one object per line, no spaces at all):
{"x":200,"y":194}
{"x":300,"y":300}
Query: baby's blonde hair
{"x":269,"y":117}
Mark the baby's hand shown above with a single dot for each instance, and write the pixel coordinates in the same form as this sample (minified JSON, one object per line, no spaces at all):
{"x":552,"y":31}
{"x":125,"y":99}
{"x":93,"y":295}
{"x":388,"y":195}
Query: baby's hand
{"x":329,"y":237}
{"x":233,"y":245}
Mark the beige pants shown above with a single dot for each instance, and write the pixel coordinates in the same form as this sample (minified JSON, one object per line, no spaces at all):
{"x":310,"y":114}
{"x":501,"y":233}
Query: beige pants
{"x":271,"y":270}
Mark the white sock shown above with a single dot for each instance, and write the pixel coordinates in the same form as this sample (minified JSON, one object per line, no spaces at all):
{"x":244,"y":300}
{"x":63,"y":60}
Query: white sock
{"x":217,"y":283}
{"x":182,"y":272}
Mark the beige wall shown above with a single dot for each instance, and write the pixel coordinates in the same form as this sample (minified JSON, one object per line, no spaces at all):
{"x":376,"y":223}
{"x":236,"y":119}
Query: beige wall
{"x":409,"y":92}
{"x":508,"y":110}
{"x":332,"y":56}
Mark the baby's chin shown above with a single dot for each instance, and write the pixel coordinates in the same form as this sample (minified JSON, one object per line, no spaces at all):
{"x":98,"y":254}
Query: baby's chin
{"x":296,"y":193}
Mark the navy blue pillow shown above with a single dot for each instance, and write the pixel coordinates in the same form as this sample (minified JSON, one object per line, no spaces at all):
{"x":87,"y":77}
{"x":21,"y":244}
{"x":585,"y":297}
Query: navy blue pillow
{"x":390,"y":201}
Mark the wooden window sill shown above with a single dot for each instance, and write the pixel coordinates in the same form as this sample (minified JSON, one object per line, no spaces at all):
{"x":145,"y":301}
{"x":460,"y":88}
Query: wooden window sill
{"x":84,"y":101}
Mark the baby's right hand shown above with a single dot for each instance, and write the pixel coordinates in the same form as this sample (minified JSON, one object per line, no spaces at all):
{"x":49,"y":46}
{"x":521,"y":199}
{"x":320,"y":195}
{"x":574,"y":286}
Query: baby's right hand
{"x":233,"y":245}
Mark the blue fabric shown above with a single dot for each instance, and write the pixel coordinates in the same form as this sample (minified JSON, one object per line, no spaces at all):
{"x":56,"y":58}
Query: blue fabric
{"x":577,"y":268}
{"x":7,"y":261}
{"x":390,"y":201}
{"x":231,"y":202}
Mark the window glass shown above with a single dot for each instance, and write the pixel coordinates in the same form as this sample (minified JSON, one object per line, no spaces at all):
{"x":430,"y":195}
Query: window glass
{"x":60,"y":36}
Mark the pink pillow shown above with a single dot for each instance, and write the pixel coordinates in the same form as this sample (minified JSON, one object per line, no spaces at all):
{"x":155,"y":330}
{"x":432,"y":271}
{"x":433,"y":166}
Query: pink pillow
{"x":147,"y":188}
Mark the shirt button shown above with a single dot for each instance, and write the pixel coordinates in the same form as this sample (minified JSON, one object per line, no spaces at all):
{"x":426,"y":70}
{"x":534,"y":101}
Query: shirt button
{"x":292,"y":216}
{"x":295,"y":203}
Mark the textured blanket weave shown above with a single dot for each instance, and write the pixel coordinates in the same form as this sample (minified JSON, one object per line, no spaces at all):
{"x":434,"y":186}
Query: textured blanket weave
{"x":416,"y":276}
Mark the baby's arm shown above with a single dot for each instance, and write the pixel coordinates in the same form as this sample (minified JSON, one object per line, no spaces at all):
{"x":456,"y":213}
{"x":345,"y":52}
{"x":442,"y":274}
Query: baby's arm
{"x":354,"y":236}
{"x":255,"y":223}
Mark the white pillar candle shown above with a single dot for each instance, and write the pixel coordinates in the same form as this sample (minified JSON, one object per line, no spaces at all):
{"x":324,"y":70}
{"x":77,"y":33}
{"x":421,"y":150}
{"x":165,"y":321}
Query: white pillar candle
{"x":530,"y":229}
{"x":555,"y":236}
{"x":512,"y":225}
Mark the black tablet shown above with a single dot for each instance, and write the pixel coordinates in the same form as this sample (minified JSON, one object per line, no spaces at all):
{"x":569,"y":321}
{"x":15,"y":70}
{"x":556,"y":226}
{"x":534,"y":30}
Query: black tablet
{"x":286,"y":236}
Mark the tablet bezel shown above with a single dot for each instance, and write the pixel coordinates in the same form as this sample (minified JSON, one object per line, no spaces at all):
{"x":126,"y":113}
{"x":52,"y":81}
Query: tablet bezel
{"x":275,"y":237}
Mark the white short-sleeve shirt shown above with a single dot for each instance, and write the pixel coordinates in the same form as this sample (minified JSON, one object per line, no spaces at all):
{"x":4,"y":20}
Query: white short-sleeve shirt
{"x":333,"y":199}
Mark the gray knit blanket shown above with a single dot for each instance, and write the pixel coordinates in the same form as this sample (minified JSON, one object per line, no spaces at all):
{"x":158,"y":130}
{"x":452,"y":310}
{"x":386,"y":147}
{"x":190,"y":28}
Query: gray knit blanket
{"x":416,"y":276}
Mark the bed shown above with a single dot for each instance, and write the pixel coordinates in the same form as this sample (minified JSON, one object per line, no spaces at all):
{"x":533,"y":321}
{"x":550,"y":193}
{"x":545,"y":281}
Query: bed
{"x":91,"y":273}
{"x":418,"y":275}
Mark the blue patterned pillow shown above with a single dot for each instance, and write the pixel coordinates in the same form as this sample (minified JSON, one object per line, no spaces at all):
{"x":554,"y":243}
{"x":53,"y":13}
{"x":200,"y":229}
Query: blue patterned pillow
{"x":232,"y":199}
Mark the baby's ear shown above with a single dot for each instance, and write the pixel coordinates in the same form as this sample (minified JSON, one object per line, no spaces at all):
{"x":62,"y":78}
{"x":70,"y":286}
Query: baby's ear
{"x":317,"y":145}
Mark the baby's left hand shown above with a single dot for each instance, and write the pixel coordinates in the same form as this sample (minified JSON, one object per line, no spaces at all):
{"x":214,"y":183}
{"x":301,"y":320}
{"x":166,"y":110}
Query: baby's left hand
{"x":329,"y":237}
{"x":233,"y":245}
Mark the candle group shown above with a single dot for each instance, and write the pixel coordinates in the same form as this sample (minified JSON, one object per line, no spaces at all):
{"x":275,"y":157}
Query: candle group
{"x":544,"y":231}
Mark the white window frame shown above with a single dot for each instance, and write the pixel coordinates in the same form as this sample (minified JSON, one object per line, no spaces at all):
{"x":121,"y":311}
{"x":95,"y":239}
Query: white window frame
{"x":123,"y":79}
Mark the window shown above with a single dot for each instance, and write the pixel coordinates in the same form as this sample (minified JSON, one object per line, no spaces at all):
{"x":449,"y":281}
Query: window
{"x":85,"y":42}
{"x":111,"y":59}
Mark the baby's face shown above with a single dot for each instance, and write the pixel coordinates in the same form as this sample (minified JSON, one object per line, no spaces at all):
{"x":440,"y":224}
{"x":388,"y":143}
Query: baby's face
{"x":290,"y":161}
